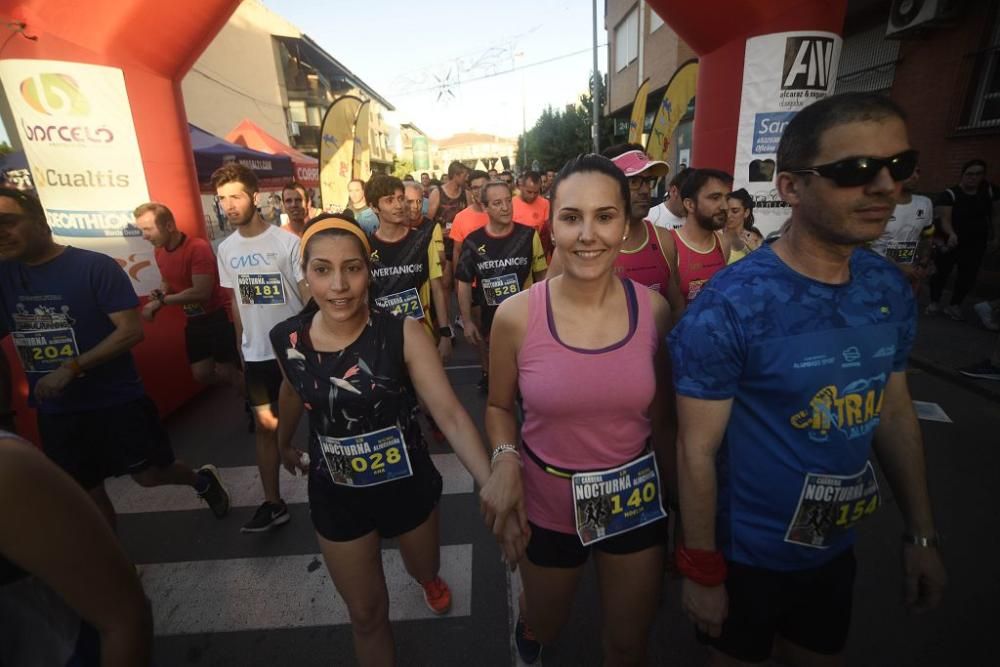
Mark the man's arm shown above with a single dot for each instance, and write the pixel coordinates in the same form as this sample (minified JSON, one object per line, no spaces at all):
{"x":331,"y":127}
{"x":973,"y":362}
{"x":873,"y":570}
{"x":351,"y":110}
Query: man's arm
{"x":701,"y":425}
{"x":237,"y":322}
{"x":200,"y":291}
{"x":944,"y":215}
{"x":669,"y":252}
{"x":126,"y":335}
{"x":900,"y":450}
{"x":433,"y":203}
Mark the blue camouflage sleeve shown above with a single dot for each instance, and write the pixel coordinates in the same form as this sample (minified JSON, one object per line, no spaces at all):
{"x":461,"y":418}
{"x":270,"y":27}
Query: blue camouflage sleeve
{"x":907,"y":333}
{"x":708,"y":348}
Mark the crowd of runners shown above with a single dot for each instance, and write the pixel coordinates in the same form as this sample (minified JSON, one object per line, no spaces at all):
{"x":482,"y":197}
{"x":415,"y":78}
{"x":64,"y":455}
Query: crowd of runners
{"x":662,"y":386}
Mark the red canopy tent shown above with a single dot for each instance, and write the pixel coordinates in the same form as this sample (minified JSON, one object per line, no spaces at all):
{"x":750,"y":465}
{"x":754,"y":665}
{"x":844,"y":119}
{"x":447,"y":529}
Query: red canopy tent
{"x":251,"y":135}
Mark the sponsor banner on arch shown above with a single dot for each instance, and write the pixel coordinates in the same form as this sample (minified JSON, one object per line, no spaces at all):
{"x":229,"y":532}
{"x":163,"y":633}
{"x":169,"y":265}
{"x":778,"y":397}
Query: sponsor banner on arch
{"x":782,"y":73}
{"x":75,"y":124}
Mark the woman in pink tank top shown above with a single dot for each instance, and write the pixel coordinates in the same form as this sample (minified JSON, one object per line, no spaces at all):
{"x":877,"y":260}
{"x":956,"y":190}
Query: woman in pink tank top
{"x":586,"y":352}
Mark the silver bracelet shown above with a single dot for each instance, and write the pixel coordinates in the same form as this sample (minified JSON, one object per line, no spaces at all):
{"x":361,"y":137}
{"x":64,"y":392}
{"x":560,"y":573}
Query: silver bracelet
{"x":503,"y":448}
{"x":921,"y":541}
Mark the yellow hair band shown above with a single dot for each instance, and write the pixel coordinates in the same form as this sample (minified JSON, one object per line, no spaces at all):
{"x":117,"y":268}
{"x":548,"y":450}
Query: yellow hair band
{"x":334,"y":223}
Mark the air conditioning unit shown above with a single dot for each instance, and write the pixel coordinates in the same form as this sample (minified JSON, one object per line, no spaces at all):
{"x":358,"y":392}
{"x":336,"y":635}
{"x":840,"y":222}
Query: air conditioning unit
{"x":293,"y":129}
{"x":909,"y":16}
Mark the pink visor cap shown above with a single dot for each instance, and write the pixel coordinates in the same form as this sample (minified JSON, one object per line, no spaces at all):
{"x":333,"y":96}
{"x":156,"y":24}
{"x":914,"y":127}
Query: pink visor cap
{"x":634,"y":163}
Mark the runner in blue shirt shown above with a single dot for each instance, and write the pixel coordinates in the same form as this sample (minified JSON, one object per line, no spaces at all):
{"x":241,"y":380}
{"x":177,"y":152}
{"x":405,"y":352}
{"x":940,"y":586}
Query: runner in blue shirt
{"x":73,"y":319}
{"x":790,"y":370}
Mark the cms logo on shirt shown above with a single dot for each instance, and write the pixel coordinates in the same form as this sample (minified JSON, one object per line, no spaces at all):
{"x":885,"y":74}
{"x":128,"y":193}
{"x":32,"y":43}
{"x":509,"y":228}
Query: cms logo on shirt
{"x":852,"y":411}
{"x":251,"y":260}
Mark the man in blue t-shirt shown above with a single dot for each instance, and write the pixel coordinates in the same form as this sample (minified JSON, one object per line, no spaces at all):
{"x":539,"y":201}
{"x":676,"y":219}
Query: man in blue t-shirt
{"x":790,"y":370}
{"x":73,"y":319}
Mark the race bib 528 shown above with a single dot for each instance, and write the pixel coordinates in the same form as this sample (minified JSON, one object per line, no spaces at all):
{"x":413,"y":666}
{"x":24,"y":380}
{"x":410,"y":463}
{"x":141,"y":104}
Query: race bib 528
{"x":497,"y":290}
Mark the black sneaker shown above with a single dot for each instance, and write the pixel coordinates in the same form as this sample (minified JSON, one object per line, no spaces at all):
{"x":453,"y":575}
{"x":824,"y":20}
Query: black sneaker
{"x":484,"y":383}
{"x":216,"y":494}
{"x":267,"y":516}
{"x":528,"y":648}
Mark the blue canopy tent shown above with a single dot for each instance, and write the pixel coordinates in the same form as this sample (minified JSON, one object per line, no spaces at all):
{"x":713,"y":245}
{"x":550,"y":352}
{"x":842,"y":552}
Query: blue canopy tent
{"x":211,"y":152}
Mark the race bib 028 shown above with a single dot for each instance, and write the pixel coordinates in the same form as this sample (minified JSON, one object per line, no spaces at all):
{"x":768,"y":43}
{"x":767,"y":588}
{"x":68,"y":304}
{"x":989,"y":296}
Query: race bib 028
{"x":615,"y":501}
{"x":369,"y":459}
{"x":830,"y":505}
{"x":261,"y":289}
{"x":403,"y":304}
{"x":45,"y":350}
{"x":497,"y":290}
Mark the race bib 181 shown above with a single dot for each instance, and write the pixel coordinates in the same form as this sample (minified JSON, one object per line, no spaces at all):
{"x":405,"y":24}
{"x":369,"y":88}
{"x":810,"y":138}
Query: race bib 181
{"x":497,"y":290}
{"x":45,"y":350}
{"x":830,"y":505}
{"x":615,"y":501}
{"x":261,"y":289}
{"x":403,"y":304}
{"x":368,"y":459}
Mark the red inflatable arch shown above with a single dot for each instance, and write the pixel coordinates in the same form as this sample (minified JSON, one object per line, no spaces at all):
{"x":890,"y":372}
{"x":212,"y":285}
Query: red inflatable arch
{"x":155,"y":43}
{"x":717,"y":31}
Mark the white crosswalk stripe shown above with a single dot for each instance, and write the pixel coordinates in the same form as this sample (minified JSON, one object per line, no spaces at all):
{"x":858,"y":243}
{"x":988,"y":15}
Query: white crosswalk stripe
{"x":243,"y":483}
{"x":285,"y":592}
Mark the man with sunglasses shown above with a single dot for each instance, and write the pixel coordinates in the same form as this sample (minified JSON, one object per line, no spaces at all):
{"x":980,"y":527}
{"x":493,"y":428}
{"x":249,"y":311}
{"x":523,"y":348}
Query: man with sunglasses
{"x":790,"y":370}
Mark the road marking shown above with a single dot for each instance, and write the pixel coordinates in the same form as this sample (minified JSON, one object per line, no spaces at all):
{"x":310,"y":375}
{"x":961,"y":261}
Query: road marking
{"x":199,"y":597}
{"x":244,"y":487}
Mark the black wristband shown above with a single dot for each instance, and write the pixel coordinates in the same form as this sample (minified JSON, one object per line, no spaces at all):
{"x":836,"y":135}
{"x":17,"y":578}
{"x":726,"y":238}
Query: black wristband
{"x":446,"y":332}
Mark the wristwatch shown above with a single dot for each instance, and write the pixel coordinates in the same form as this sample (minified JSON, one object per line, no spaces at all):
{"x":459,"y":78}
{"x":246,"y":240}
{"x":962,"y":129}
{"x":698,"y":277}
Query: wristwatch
{"x":446,"y":332}
{"x":922,"y":541}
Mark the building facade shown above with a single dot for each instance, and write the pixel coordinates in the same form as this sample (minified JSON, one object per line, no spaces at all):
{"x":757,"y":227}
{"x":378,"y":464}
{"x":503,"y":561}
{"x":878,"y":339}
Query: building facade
{"x":262,"y":67}
{"x":474,"y":150}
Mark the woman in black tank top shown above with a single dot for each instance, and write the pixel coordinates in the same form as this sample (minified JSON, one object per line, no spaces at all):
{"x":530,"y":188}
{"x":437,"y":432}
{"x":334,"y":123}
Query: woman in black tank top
{"x":358,"y":370}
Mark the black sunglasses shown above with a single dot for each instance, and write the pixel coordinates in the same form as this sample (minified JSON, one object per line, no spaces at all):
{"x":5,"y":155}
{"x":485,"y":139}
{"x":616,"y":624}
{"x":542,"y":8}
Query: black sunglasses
{"x":854,"y":171}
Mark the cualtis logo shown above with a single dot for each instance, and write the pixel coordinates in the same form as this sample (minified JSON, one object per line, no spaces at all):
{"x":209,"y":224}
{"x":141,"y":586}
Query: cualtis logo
{"x":54,"y":95}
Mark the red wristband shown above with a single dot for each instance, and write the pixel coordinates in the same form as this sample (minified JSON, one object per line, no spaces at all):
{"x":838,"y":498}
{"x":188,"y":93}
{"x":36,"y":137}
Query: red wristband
{"x":707,"y":568}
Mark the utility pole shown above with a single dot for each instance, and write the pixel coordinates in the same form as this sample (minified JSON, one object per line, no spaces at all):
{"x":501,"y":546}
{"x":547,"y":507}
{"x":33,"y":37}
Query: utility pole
{"x":595,"y":98}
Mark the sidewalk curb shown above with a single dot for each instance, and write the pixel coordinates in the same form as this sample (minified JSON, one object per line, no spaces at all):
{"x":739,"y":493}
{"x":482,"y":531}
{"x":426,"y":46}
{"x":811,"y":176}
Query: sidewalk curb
{"x":970,"y":384}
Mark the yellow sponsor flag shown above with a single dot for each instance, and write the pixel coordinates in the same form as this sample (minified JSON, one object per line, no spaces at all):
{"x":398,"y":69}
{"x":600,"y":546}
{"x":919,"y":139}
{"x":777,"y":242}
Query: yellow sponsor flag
{"x":362,"y":143}
{"x":336,"y":151}
{"x":638,"y":119}
{"x":680,"y":91}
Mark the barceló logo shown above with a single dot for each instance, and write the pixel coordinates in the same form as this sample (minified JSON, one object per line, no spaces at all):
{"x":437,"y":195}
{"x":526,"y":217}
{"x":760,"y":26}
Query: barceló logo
{"x":54,"y":95}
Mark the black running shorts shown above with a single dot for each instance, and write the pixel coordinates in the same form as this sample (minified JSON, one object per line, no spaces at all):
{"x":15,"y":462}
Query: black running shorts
{"x":213,"y":337}
{"x":263,"y":380}
{"x":94,"y":445}
{"x":550,"y":548}
{"x":811,"y":608}
{"x":341,"y":513}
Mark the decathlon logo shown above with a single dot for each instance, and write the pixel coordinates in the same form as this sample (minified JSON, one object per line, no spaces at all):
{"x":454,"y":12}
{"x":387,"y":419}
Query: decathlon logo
{"x":808,"y":61}
{"x":54,"y":95}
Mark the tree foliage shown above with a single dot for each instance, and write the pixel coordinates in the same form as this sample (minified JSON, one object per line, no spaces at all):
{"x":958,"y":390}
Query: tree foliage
{"x":559,"y":135}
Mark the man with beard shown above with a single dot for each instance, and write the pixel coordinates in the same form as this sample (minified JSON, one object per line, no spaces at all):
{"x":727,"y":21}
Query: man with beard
{"x":295,"y":203}
{"x":531,"y":209}
{"x":790,"y":371}
{"x":406,"y":264}
{"x":699,"y":250}
{"x":261,"y":264}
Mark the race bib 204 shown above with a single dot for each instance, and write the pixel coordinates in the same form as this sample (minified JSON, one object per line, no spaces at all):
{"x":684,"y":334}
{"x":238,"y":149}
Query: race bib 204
{"x":499,"y":289}
{"x":45,"y":350}
{"x":261,"y":289}
{"x":830,"y":505}
{"x":615,"y":501}
{"x":403,"y":304}
{"x":369,"y":459}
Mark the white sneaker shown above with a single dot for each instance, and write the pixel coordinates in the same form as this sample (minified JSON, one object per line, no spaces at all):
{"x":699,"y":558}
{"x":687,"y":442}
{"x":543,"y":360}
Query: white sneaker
{"x":954,"y":312}
{"x":932,"y":309}
{"x":985,"y":312}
